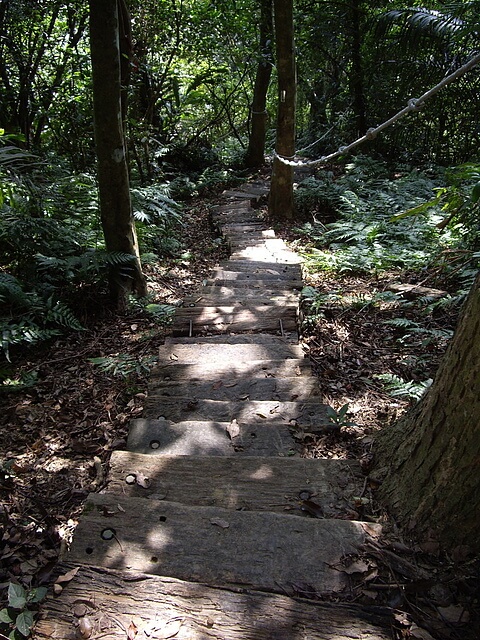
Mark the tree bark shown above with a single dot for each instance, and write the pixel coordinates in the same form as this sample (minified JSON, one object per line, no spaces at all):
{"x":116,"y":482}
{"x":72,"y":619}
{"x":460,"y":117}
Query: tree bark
{"x":432,"y":457}
{"x":281,"y":206}
{"x":255,"y":155}
{"x":114,"y":189}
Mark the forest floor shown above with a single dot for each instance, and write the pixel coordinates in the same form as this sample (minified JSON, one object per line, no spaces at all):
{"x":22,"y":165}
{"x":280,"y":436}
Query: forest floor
{"x":57,"y":436}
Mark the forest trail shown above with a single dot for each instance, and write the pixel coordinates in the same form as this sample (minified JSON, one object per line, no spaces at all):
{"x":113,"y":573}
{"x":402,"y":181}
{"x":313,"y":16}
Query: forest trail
{"x":212,"y":526}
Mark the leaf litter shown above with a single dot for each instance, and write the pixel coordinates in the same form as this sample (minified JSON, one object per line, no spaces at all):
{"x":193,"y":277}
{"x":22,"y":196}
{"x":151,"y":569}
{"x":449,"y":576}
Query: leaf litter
{"x":56,"y":439}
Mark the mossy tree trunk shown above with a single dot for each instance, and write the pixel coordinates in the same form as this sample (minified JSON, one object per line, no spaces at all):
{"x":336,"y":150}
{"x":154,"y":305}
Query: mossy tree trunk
{"x":281,"y":206}
{"x":432,"y":457}
{"x":112,"y":170}
{"x":255,"y":155}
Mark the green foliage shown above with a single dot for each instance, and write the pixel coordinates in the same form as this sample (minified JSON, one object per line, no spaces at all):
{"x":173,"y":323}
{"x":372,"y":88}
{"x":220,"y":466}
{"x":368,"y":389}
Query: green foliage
{"x":125,"y":365}
{"x":17,"y":618}
{"x":372,"y":233}
{"x":399,"y":388}
{"x":339,"y":418}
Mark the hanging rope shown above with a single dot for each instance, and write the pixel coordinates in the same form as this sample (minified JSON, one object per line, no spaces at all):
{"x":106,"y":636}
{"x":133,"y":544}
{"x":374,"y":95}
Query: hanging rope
{"x":414,"y":104}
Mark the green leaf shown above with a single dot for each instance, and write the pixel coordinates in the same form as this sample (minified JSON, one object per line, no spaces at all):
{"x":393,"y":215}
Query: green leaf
{"x":17,"y":596}
{"x":476,"y":193}
{"x":37,"y":595}
{"x":24,"y":622}
{"x":5,"y":616}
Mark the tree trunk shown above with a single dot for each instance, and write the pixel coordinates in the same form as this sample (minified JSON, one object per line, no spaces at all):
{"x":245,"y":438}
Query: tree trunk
{"x":114,"y":189}
{"x":432,"y":457}
{"x":356,"y":81}
{"x":255,"y":155}
{"x":281,"y":194}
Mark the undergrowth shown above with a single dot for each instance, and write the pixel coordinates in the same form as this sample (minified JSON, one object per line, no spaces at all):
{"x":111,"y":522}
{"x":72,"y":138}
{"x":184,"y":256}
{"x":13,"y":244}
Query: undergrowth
{"x":390,"y":226}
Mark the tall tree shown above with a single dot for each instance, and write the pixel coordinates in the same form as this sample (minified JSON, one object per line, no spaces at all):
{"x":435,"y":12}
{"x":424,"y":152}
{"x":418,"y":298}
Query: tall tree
{"x":281,"y":204}
{"x":255,"y":155}
{"x":113,"y":181}
{"x":431,"y":458}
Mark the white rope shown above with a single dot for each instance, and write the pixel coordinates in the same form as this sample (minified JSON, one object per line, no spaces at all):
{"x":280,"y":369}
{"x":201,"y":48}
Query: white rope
{"x":414,"y":104}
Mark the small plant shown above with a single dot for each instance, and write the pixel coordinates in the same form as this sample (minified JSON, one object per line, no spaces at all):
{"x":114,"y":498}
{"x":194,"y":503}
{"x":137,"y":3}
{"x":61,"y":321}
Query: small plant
{"x":399,"y":388}
{"x":17,"y":617}
{"x":339,"y":418}
{"x":124,"y":365}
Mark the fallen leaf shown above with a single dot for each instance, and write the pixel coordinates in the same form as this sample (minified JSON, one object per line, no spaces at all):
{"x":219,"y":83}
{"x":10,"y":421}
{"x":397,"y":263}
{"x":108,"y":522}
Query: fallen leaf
{"x":312,"y":508}
{"x":132,"y":631}
{"x":85,"y":627}
{"x":454,"y":614}
{"x":421,"y":634}
{"x":143,"y":481}
{"x":233,"y":429}
{"x":171,"y":629}
{"x":217,"y":385}
{"x":359,"y":566}
{"x":220,"y":523}
{"x":67,"y":576}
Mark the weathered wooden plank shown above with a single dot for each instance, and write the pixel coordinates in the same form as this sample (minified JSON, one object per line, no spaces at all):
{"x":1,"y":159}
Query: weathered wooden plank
{"x":229,"y":369}
{"x":260,"y":283}
{"x":249,"y":483}
{"x":192,"y":320}
{"x":266,"y":274}
{"x":241,"y":296}
{"x":232,"y":291}
{"x":286,"y":389}
{"x":307,"y":415}
{"x":261,"y":253}
{"x":274,"y":268}
{"x":220,"y":350}
{"x":226,"y":314}
{"x":165,"y":607}
{"x":261,"y":339}
{"x":209,"y":438}
{"x":221,"y":547}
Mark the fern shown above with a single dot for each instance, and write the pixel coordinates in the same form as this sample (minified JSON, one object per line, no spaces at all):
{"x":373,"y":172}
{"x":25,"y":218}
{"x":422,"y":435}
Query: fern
{"x":124,"y":365}
{"x":399,"y":388}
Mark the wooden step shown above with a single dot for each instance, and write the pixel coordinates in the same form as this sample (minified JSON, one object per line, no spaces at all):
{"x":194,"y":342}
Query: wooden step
{"x":241,"y":296}
{"x":263,"y":254}
{"x":271,"y":268}
{"x":264,"y":275}
{"x":222,"y":349}
{"x":310,"y":416}
{"x":209,"y":438}
{"x":286,"y":389}
{"x":229,"y":369}
{"x":261,"y":550}
{"x":190,"y":321}
{"x":281,"y":485}
{"x":273,"y":284}
{"x":244,"y":293}
{"x":115,"y":601}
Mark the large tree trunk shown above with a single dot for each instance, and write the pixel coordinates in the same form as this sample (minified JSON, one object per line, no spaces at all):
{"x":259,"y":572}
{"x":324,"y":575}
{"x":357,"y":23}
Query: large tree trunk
{"x":432,"y":457}
{"x":281,"y":194}
{"x":114,"y":189}
{"x":255,"y":155}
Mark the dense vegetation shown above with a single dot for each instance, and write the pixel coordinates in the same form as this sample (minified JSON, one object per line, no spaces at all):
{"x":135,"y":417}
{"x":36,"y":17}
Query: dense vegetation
{"x":403,"y":209}
{"x":192,"y":75}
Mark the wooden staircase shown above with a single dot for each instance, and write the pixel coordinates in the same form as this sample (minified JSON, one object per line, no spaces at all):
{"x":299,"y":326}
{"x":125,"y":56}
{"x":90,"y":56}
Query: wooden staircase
{"x":205,"y":530}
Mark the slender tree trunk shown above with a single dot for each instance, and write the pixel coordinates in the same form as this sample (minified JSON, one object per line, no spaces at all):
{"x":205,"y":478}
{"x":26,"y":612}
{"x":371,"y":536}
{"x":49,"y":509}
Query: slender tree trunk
{"x":281,"y":194}
{"x":356,"y":81}
{"x":255,"y":155}
{"x":114,"y":189}
{"x":431,"y":458}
